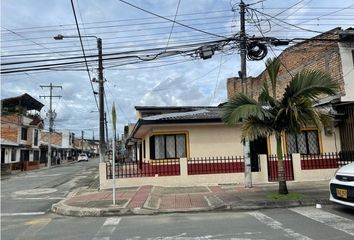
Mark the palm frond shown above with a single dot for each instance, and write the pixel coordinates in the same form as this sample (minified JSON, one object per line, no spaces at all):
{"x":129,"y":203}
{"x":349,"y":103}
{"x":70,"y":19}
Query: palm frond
{"x":310,"y":84}
{"x":254,"y":128}
{"x":273,"y":66}
{"x":241,"y":107}
{"x":264,"y":94}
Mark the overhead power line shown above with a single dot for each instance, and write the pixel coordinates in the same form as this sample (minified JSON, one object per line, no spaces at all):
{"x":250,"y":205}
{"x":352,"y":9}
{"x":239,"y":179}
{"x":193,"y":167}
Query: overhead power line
{"x":121,"y":20}
{"x":280,"y":20}
{"x":181,"y":24}
{"x":83,"y":52}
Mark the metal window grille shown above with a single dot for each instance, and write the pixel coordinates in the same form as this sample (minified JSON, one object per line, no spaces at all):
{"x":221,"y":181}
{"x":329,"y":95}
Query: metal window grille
{"x":160,"y":147}
{"x":170,"y":146}
{"x":304,"y":143}
{"x":181,"y":145}
{"x":312,"y":140}
{"x":291,"y":143}
{"x":301,"y":143}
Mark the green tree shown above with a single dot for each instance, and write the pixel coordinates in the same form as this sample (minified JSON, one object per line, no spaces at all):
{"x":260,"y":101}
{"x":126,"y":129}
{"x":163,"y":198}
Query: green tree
{"x":272,"y":114}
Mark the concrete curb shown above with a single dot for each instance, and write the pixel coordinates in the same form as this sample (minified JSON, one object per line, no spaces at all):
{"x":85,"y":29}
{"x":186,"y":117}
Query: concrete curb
{"x":256,"y":205}
{"x":24,"y":173}
{"x":63,"y":209}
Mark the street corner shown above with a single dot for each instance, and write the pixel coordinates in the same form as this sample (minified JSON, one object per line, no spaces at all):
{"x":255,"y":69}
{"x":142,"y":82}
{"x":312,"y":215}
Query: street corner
{"x":215,"y":203}
{"x":90,"y":209}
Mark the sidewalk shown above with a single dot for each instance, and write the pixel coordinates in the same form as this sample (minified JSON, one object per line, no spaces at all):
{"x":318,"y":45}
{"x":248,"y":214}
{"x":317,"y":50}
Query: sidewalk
{"x":154,"y":199}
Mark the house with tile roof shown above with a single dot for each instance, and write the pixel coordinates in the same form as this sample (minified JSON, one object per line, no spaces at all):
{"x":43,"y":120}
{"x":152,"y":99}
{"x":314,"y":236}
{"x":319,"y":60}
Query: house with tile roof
{"x":184,"y":132}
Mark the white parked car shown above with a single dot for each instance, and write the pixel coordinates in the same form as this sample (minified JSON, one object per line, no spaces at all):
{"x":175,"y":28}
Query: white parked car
{"x":342,"y":186}
{"x":82,"y":157}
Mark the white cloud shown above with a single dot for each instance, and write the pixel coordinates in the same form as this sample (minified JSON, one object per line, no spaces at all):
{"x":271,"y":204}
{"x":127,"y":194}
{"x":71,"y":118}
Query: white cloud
{"x":186,"y":83}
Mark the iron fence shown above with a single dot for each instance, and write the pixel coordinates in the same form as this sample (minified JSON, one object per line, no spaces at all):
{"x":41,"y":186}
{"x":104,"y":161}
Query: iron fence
{"x":145,"y":169}
{"x":273,"y":167}
{"x":345,"y":157}
{"x":326,"y":160}
{"x":215,"y":165}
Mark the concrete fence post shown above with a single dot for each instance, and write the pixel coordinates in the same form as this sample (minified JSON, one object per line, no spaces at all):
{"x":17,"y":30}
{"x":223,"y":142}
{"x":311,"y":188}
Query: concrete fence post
{"x":297,"y":166}
{"x":103,"y":174}
{"x":183,"y":167}
{"x":263,"y":165}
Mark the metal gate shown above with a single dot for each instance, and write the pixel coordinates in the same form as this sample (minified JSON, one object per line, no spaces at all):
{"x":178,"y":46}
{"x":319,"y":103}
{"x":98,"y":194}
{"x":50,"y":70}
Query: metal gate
{"x":273,"y":168}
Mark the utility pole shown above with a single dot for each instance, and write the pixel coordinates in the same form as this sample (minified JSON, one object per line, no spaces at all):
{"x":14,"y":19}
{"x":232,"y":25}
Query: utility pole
{"x":101,"y":99}
{"x":82,"y":141}
{"x":105,"y":121}
{"x":52,"y":116}
{"x":243,"y":75}
{"x":100,"y":90}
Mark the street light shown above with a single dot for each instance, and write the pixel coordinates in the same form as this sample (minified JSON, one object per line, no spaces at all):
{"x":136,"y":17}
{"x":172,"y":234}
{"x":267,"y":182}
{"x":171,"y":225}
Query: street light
{"x":100,"y":89}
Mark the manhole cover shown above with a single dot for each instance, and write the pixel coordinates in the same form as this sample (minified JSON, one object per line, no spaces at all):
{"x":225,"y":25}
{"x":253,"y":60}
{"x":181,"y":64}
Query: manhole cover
{"x":36,"y":191}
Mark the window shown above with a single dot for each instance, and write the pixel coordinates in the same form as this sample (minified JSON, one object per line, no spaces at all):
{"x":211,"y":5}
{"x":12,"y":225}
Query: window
{"x":304,"y":143}
{"x":24,"y":155}
{"x":144,"y":151}
{"x":23,"y":133}
{"x":35,"y":155}
{"x":35,"y":137}
{"x":168,"y":146}
{"x":13,"y":154}
{"x":2,"y":155}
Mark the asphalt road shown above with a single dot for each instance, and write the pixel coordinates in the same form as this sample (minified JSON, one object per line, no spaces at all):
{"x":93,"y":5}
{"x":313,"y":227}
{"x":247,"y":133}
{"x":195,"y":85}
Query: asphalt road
{"x":35,"y":192}
{"x":296,"y":223}
{"x":26,"y":199}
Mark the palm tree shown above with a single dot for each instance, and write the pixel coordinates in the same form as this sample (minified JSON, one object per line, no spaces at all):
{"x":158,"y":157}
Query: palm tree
{"x":272,"y":114}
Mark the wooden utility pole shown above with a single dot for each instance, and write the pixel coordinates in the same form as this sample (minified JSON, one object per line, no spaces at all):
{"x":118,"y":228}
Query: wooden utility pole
{"x":52,"y":115}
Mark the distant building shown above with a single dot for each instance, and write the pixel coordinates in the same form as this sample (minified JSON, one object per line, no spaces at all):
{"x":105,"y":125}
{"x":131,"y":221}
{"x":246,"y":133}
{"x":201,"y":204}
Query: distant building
{"x":21,"y":126}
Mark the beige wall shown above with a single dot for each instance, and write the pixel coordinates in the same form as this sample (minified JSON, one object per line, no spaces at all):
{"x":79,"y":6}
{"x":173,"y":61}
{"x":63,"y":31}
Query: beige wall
{"x":310,"y":175}
{"x":215,"y":140}
{"x":212,"y":140}
{"x":220,"y":140}
{"x":328,"y":142}
{"x":331,"y":142}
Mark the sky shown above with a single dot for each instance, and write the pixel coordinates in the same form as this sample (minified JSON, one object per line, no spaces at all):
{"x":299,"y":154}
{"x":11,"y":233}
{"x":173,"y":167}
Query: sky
{"x":153,"y":79}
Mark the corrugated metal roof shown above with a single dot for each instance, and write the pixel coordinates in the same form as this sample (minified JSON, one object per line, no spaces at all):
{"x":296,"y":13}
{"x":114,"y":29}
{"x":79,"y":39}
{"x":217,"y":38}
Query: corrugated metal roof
{"x":208,"y":113}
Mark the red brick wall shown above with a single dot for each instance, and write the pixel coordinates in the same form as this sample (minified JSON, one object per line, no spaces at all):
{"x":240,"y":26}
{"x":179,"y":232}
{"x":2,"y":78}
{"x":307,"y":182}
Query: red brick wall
{"x":314,"y":55}
{"x":9,"y":128}
{"x":56,"y":137}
